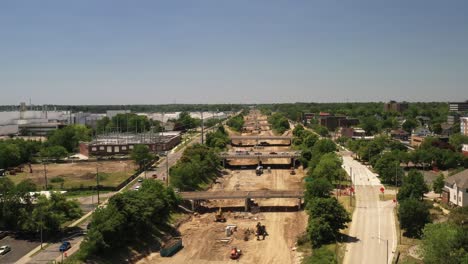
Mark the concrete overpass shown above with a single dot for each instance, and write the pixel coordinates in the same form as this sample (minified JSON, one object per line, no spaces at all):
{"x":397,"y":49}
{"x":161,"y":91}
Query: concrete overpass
{"x":260,"y":156}
{"x":259,"y":139}
{"x":196,"y":197}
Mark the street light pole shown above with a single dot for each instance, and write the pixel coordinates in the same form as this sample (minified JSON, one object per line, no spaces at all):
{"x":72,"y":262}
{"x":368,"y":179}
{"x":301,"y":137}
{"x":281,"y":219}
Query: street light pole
{"x":97,"y":182}
{"x":386,"y":246}
{"x":167,"y":168}
{"x":45,"y":173}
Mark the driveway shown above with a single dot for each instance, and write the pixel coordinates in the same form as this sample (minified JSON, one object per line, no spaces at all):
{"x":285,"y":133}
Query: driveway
{"x":372,"y":230}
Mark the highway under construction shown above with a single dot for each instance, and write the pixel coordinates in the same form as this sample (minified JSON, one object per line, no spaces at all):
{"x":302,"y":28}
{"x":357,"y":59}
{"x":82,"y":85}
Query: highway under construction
{"x":227,"y":215}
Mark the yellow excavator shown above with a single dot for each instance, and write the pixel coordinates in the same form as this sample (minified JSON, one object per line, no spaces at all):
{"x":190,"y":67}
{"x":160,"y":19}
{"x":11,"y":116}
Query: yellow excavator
{"x":219,"y":217}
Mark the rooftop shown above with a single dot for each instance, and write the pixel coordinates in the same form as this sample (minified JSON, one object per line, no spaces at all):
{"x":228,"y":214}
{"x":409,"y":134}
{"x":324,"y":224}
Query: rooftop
{"x":461,"y":179}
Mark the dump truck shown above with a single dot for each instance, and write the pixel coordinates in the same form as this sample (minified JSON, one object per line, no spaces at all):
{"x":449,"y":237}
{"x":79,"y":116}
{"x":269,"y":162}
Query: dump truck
{"x":171,"y":247}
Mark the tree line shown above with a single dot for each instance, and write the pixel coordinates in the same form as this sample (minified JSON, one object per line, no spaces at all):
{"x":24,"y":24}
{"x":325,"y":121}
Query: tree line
{"x":128,"y":218}
{"x":60,"y":142}
{"x":218,"y":139}
{"x":198,"y":167}
{"x":386,"y":155}
{"x":326,"y":214}
{"x":279,"y":123}
{"x":23,"y":212}
{"x":236,"y":123}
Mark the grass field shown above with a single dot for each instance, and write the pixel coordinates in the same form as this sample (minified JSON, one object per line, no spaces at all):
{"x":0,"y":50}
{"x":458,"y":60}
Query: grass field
{"x":78,"y":175}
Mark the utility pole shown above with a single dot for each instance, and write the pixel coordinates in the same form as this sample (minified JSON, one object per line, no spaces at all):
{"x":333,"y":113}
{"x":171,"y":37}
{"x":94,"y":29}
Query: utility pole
{"x":202,"y":125}
{"x":351,"y":188}
{"x":167,"y":168}
{"x":42,"y":223}
{"x":97,"y":181}
{"x":45,"y":174}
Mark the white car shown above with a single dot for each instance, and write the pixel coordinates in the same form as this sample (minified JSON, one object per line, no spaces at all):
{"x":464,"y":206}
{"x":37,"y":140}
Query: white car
{"x":137,"y":188}
{"x":4,"y":249}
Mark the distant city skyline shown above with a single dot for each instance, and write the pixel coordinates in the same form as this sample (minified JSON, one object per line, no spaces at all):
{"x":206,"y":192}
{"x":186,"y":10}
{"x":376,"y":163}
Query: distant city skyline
{"x":152,"y":52}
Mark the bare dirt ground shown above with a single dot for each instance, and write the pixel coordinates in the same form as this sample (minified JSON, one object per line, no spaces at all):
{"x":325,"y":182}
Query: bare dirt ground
{"x":201,"y":236}
{"x":78,"y":173}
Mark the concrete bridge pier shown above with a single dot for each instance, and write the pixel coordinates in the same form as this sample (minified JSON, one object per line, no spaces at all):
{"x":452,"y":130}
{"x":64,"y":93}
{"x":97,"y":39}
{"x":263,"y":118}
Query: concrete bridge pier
{"x":299,"y":203}
{"x":194,"y":204}
{"x":247,"y":204}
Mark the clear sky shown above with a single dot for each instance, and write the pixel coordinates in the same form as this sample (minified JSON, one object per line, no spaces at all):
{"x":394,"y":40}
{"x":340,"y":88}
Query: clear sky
{"x":156,"y":52}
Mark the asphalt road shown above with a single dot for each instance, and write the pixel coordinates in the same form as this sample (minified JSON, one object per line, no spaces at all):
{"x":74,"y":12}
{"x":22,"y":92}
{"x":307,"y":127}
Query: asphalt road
{"x":19,"y":247}
{"x":373,"y":237}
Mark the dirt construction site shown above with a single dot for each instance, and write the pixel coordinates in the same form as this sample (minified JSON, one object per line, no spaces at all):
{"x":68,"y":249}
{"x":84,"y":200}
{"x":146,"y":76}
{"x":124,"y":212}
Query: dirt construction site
{"x":78,"y":174}
{"x":207,"y":241}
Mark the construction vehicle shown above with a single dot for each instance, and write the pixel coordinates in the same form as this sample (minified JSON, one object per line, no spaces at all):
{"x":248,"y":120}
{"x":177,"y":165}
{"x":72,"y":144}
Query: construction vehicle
{"x":261,"y":231}
{"x":171,"y":247}
{"x":293,"y":172}
{"x":219,"y":217}
{"x":235,"y":253}
{"x":259,"y":170}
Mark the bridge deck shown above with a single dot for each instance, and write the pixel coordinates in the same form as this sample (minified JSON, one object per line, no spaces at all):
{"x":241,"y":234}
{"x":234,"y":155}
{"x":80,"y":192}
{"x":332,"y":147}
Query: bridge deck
{"x":261,"y":138}
{"x":262,"y":155}
{"x":220,"y":195}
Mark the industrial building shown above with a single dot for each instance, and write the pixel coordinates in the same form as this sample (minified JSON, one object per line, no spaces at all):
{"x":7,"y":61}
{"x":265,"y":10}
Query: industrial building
{"x":458,"y":106}
{"x":123,"y":143}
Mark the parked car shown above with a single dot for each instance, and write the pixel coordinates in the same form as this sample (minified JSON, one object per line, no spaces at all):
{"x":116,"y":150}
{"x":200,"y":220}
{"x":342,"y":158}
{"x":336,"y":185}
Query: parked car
{"x":137,"y":188}
{"x":273,"y":153}
{"x":140,"y":180}
{"x":66,"y":245}
{"x":4,"y":249}
{"x":258,"y":153}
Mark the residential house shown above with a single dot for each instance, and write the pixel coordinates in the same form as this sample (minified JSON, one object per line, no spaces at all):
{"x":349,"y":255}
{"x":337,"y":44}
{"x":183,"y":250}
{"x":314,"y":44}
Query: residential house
{"x":456,"y":189}
{"x":399,"y":134}
{"x":418,"y":135}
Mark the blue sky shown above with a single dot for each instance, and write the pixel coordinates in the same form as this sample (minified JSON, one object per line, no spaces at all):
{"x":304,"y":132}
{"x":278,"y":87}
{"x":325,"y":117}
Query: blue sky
{"x":154,"y":52}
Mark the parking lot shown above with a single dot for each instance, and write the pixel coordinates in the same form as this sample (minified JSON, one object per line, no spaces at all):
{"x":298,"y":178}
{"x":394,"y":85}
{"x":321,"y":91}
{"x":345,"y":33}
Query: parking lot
{"x":19,"y":248}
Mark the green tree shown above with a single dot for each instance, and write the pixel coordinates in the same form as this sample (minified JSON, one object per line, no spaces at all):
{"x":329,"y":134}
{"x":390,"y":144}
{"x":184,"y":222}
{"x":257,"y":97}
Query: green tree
{"x":320,"y":232}
{"x":413,"y":186}
{"x":414,"y":215}
{"x":318,"y":188}
{"x":185,"y":121}
{"x":141,"y":155}
{"x":297,"y":131}
{"x":199,"y":165}
{"x":130,"y":217}
{"x":54,"y":152}
{"x":438,"y":184}
{"x":329,"y":168}
{"x":331,"y":211}
{"x":456,"y":140}
{"x":10,"y":155}
{"x":69,"y":137}
{"x":444,"y":243}
{"x":409,"y":125}
{"x":236,"y":122}
{"x":388,"y":168}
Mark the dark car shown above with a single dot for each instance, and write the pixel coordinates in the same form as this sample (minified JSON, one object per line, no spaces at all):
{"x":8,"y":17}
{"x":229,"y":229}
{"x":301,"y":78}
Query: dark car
{"x":273,"y":153}
{"x":258,"y":153}
{"x":65,"y":246}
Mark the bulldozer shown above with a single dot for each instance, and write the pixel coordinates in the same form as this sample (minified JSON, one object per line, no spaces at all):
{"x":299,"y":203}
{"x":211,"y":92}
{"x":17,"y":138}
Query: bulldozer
{"x":219,"y":217}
